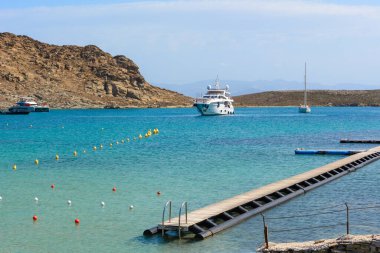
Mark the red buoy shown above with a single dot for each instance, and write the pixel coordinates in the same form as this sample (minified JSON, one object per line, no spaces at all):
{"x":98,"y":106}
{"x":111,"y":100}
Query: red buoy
{"x":35,"y":218}
{"x":52,"y":186}
{"x":77,"y":221}
{"x":158,"y":193}
{"x":114,"y":189}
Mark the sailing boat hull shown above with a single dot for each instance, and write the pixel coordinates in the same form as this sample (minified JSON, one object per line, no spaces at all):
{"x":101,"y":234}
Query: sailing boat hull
{"x":304,"y":109}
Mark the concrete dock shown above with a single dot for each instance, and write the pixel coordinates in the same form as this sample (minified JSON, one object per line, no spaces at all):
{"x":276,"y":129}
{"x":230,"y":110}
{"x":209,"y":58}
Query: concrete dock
{"x":217,"y":217}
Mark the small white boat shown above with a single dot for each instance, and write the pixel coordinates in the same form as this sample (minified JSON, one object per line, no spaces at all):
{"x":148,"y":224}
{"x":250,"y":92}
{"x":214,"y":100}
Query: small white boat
{"x":30,"y":105}
{"x":217,"y":101}
{"x":304,"y":108}
{"x":15,"y":111}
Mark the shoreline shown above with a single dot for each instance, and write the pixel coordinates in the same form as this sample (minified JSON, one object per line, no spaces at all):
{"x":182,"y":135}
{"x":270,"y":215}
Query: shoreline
{"x":180,"y":107}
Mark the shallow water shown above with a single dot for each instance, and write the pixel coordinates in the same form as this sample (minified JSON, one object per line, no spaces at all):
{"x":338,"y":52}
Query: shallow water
{"x":196,"y":159}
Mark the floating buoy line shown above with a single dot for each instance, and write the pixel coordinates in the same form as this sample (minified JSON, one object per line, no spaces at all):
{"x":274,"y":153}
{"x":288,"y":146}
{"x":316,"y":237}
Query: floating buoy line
{"x":75,"y":154}
{"x":69,"y":203}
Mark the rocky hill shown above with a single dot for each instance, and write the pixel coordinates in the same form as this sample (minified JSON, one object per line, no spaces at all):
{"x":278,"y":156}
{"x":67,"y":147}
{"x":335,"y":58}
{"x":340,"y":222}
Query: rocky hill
{"x":75,"y":77}
{"x":315,"y":98}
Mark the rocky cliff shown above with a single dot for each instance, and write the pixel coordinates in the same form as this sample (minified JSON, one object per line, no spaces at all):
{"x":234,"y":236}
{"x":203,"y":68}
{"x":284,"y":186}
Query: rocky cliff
{"x":315,"y":98}
{"x":75,"y":77}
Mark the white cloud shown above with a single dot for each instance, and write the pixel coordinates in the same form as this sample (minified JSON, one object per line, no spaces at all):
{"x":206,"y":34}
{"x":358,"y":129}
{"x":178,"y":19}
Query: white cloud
{"x":283,"y":7}
{"x":278,"y":7}
{"x":192,"y":38}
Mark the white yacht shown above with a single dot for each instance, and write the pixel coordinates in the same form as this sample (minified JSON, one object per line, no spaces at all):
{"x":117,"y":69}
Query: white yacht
{"x":28,"y":104}
{"x":216,"y":101}
{"x":304,"y":108}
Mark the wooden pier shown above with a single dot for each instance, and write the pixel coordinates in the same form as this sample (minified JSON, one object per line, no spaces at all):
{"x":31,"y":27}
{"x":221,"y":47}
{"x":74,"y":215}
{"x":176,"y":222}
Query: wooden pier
{"x":360,"y":141}
{"x":217,"y":217}
{"x":300,"y":151}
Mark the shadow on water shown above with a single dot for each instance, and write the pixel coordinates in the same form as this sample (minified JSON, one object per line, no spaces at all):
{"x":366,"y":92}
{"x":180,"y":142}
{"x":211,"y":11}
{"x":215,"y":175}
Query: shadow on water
{"x":167,"y":239}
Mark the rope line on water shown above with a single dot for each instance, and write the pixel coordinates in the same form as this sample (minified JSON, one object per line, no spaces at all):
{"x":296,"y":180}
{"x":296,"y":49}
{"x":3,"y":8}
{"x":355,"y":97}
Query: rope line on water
{"x":364,"y":208}
{"x":303,"y":215}
{"x":370,"y":206}
{"x":316,"y":208}
{"x":306,"y":228}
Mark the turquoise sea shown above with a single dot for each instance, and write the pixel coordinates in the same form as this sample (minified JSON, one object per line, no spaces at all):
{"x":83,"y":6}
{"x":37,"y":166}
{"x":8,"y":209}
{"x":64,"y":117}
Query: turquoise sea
{"x":196,"y":159}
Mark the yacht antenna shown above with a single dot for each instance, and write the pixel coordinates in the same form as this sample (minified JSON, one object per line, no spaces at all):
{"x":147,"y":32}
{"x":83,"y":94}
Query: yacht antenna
{"x":217,"y":82}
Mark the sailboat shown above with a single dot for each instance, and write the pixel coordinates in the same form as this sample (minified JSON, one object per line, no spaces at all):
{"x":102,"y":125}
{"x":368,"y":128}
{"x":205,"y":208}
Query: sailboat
{"x":304,"y":108}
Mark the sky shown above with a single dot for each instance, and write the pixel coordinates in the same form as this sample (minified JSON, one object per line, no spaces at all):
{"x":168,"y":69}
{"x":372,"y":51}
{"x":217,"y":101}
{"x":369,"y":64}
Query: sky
{"x":179,"y":42}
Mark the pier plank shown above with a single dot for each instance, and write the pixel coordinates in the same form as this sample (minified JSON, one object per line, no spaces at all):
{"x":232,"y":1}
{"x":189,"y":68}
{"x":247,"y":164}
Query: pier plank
{"x":226,"y":205}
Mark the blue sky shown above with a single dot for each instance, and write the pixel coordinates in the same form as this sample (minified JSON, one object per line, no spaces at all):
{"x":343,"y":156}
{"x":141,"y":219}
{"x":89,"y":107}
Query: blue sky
{"x":181,"y":42}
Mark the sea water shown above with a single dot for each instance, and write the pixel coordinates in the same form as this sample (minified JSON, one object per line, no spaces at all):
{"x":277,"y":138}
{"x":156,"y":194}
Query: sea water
{"x":196,"y":159}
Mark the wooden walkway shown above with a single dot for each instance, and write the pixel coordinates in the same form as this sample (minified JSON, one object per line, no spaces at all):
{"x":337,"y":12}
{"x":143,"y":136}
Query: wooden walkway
{"x":216,"y":217}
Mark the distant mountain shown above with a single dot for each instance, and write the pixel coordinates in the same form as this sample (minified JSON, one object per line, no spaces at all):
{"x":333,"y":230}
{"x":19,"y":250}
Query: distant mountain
{"x":237,"y":87}
{"x":195,"y":89}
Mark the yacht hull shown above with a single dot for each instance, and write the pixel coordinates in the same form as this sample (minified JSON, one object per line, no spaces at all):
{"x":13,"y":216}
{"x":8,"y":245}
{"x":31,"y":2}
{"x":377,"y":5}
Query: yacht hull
{"x":214,"y":109}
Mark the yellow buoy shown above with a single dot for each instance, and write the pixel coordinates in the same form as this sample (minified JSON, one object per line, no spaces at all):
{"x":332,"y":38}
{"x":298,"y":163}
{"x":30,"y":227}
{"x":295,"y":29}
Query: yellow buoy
{"x":36,"y":162}
{"x":57,"y":157}
{"x":140,"y":136}
{"x":75,"y":153}
{"x":134,"y":138}
{"x":101,"y":146}
{"x":127,"y":139}
{"x":122,"y":141}
{"x":14,"y":167}
{"x":146,"y":135}
{"x":110,"y":144}
{"x":94,"y":148}
{"x":117,"y":142}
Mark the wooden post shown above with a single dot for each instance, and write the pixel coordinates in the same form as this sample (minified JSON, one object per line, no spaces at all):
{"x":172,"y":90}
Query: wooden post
{"x":347,"y":220}
{"x":266,"y":236}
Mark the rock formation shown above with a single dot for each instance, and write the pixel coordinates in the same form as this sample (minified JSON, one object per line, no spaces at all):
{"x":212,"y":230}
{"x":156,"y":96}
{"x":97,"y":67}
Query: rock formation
{"x":75,"y":77}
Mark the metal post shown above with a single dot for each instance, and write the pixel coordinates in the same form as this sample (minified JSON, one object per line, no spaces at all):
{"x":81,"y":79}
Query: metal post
{"x":170,"y":211}
{"x":186,"y":211}
{"x":263,"y":219}
{"x":347,"y":219}
{"x":179,"y":218}
{"x":265,"y":232}
{"x":163,"y":216}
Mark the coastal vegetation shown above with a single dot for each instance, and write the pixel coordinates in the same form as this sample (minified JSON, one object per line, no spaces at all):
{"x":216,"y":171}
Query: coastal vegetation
{"x":315,"y":98}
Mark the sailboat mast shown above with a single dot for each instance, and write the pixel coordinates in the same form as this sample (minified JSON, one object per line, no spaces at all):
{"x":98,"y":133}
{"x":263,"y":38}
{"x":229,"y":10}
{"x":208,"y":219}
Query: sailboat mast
{"x":305,"y":94}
